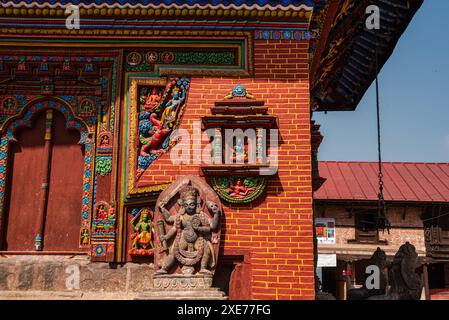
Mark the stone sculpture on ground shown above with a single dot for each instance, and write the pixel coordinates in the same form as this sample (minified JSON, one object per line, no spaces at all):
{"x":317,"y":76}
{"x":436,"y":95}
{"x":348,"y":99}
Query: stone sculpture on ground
{"x":405,"y":282}
{"x":379,"y":259}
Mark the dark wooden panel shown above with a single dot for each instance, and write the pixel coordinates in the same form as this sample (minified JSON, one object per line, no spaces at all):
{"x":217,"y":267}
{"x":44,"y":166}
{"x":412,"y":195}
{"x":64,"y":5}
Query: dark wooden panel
{"x":25,"y":186}
{"x":63,"y":216}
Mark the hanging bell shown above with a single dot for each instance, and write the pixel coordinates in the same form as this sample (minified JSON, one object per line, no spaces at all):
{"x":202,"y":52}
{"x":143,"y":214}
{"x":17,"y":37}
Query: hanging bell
{"x":381,"y":220}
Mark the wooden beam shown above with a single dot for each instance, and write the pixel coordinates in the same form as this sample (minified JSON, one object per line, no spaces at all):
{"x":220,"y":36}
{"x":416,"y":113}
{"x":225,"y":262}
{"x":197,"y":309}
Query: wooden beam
{"x":39,"y":239}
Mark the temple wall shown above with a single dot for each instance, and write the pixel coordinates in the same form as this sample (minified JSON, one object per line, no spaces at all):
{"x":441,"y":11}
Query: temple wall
{"x":276,"y":230}
{"x":273,"y":235}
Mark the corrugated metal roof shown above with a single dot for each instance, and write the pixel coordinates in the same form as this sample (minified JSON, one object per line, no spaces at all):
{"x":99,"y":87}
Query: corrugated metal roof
{"x":403,"y":181}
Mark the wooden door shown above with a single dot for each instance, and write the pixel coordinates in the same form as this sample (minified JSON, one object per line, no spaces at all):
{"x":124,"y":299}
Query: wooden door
{"x":25,"y":174}
{"x":62,"y":213}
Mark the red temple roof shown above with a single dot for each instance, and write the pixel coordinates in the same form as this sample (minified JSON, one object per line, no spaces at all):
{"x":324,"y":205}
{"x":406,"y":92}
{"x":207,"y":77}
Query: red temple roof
{"x":358,"y":181}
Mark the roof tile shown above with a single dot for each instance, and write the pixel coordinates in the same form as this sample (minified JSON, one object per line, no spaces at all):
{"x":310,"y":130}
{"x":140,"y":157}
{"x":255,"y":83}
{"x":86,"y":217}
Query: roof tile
{"x":420,"y":182}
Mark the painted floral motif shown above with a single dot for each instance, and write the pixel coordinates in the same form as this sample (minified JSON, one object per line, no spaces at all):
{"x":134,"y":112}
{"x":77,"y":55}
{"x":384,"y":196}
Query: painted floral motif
{"x":99,"y":250}
{"x":103,"y":165}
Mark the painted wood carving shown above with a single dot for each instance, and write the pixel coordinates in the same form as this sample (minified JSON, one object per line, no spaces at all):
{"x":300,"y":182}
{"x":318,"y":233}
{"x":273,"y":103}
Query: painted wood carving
{"x":143,"y":232}
{"x":156,"y":107}
{"x":236,"y":189}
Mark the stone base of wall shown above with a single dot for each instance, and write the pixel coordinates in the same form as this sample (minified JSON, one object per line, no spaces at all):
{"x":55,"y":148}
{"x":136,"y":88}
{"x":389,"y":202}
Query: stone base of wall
{"x":66,"y":295}
{"x":20,"y":276}
{"x":198,"y":294}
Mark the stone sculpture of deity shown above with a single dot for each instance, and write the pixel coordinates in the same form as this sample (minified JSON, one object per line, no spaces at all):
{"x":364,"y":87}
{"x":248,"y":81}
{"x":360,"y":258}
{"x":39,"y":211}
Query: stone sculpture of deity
{"x":191,"y":233}
{"x":405,"y":282}
{"x":379,"y":259}
{"x":190,"y":246}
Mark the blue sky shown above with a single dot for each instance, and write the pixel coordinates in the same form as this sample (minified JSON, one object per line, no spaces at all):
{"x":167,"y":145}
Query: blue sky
{"x":414,"y":88}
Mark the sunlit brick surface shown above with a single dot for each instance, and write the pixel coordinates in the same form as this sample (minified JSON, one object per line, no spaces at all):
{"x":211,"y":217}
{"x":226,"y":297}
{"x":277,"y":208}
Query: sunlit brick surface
{"x":278,"y":228}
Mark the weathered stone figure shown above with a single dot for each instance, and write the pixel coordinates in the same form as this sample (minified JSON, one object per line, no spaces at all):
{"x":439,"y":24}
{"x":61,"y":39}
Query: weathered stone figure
{"x":188,"y":234}
{"x":379,"y":259}
{"x":191,"y":232}
{"x":405,"y":282}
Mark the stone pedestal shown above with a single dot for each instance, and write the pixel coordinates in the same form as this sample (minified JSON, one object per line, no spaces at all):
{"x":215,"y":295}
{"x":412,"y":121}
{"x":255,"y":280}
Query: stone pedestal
{"x":182,"y":287}
{"x":182,"y":281}
{"x":182,"y":294}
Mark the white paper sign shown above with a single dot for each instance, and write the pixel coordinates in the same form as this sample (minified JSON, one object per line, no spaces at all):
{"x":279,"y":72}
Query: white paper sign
{"x":327,"y":260}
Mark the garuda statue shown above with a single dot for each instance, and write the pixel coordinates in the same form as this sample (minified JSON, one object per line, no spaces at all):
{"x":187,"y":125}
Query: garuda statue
{"x":379,"y":259}
{"x":405,"y":282}
{"x":188,"y":234}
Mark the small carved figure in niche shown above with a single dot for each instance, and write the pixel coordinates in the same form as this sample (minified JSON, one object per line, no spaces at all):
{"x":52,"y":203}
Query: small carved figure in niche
{"x":9,"y":105}
{"x":143,"y":236}
{"x":101,"y":212}
{"x":152,"y":100}
{"x":240,"y":151}
{"x":168,"y":57}
{"x":151,"y":57}
{"x":66,"y":64}
{"x":44,"y":66}
{"x":239,"y":189}
{"x":134,"y":59}
{"x":22,"y":64}
{"x":379,"y":259}
{"x":111,"y":213}
{"x":86,"y":106}
{"x":405,"y":282}
{"x":170,"y":114}
{"x":88,"y":66}
{"x":191,"y":233}
{"x":85,"y":237}
{"x":105,"y":140}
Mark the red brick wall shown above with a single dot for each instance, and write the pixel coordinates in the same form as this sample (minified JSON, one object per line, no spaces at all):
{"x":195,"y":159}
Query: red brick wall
{"x":277,"y":230}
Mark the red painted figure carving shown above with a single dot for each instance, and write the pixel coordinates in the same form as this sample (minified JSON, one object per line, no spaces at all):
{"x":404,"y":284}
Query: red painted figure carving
{"x":101,"y":213}
{"x":105,"y":140}
{"x":157,"y":134}
{"x":239,"y":189}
